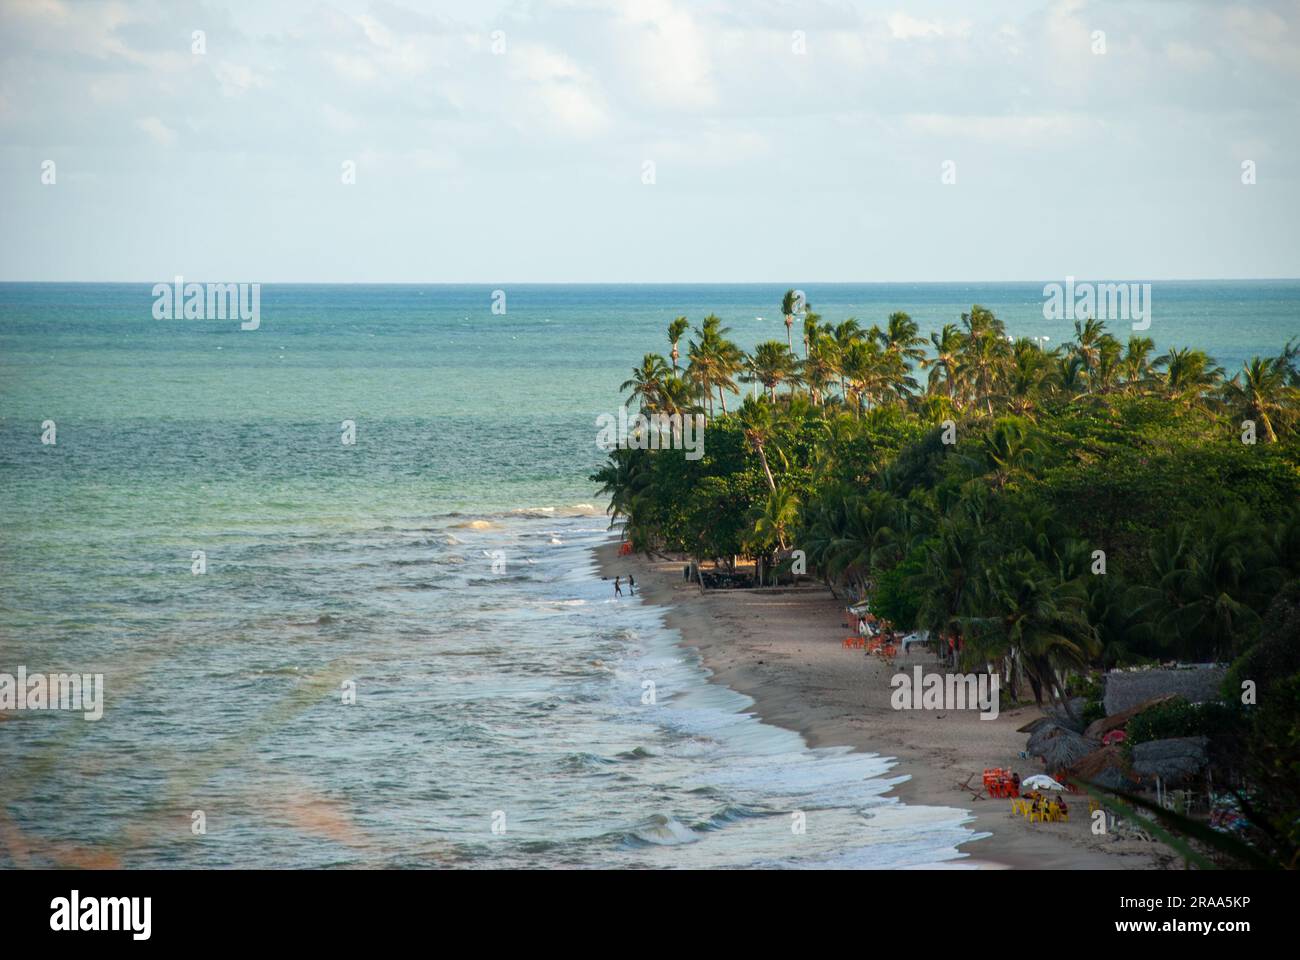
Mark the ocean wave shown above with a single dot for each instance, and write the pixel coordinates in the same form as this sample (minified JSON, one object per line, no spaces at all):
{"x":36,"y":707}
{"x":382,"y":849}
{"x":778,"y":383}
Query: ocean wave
{"x":662,"y":831}
{"x":476,"y":525}
{"x":728,"y":815}
{"x":573,"y":510}
{"x":585,"y":761}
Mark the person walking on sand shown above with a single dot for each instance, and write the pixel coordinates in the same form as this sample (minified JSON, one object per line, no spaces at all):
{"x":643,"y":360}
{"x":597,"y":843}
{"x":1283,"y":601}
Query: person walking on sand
{"x":618,"y":590}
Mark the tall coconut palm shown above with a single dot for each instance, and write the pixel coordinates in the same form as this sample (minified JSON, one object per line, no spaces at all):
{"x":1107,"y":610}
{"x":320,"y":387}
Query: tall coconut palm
{"x":776,"y":516}
{"x":789,"y":304}
{"x":950,"y":562}
{"x":943,"y":367}
{"x":647,"y":380}
{"x":861,"y":369}
{"x":821,"y":366}
{"x":1009,"y":447}
{"x":1259,"y":393}
{"x":1205,"y":573}
{"x":901,"y":337}
{"x":1087,"y":342}
{"x":1186,"y":373}
{"x":868,"y":537}
{"x":758,"y":423}
{"x":771,"y":364}
{"x":714,"y":360}
{"x":1104,"y":374}
{"x":1068,"y":377}
{"x":846,"y":334}
{"x":1027,"y":374}
{"x":675,"y":330}
{"x":984,"y":351}
{"x":1136,"y":367}
{"x":676,"y":396}
{"x":1031,"y":618}
{"x":811,"y":330}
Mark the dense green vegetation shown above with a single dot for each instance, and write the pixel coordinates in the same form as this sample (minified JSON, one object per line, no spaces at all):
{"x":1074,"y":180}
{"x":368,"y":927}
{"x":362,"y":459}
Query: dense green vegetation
{"x":1053,"y":511}
{"x":1091,"y":504}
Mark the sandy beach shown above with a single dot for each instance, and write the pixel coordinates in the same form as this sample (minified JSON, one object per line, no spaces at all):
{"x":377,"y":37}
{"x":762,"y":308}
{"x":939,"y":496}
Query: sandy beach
{"x":783,"y":648}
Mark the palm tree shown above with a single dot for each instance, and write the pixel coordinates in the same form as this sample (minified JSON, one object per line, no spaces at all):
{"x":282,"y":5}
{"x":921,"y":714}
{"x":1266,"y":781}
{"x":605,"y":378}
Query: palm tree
{"x":1010,"y":446}
{"x":759,"y":424}
{"x":622,"y":478}
{"x":1260,"y":393}
{"x":675,"y":331}
{"x":866,"y":537}
{"x":1206,"y":574}
{"x":1289,"y":361}
{"x":1106,"y":368}
{"x":1027,"y":374}
{"x":811,"y":330}
{"x":821,"y":367}
{"x":676,"y":396}
{"x":1029,"y":617}
{"x":949,"y":565}
{"x":947,"y":346}
{"x":1087,"y":346}
{"x":775,"y":516}
{"x":1068,"y":375}
{"x":862,"y":370}
{"x":789,"y":303}
{"x":1135,"y":367}
{"x":647,"y":380}
{"x":900,"y":336}
{"x":714,"y":361}
{"x":1187,"y":373}
{"x":984,"y":350}
{"x":846,"y":334}
{"x":771,"y":364}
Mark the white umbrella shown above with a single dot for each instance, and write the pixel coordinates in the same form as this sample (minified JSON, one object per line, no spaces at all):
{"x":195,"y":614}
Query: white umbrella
{"x":1040,"y":781}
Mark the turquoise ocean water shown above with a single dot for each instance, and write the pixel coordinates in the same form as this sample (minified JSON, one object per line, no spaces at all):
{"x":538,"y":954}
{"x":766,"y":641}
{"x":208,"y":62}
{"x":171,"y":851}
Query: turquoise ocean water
{"x":485,"y":696}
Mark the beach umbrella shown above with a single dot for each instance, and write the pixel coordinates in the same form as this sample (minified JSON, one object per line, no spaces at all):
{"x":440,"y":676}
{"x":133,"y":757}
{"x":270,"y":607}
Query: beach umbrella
{"x":1040,"y":781}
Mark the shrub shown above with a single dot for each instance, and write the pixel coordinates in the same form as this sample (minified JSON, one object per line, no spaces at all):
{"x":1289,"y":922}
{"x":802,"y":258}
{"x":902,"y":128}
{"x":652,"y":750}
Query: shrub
{"x":1179,"y":718}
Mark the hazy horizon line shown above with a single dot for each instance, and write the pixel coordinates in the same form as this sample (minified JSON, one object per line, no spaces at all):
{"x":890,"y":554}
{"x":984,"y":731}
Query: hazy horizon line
{"x":660,"y":283}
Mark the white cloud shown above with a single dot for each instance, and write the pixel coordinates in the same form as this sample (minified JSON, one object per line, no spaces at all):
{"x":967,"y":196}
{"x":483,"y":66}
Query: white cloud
{"x":905,"y":27}
{"x":555,"y":84}
{"x":1061,"y":130}
{"x":236,"y":79}
{"x":158,"y":131}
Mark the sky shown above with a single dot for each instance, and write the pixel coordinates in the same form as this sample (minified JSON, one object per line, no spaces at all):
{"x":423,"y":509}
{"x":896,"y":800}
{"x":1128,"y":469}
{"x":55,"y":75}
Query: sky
{"x":648,"y":141}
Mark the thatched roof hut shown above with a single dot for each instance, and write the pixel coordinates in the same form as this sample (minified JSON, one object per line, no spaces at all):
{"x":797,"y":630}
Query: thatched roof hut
{"x":1105,"y":767}
{"x":1114,"y":778}
{"x":1099,"y":728}
{"x":1041,"y":735}
{"x":1126,"y":689}
{"x":1174,"y":760}
{"x":1066,"y":749}
{"x":1036,"y":724}
{"x":1071,"y":719}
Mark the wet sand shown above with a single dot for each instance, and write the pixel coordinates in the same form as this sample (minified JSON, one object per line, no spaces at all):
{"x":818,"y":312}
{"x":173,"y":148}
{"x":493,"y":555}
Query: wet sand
{"x":783,"y":648}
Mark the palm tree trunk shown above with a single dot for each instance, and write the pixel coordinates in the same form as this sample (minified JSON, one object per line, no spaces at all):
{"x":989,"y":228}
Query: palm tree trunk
{"x":762,"y":456}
